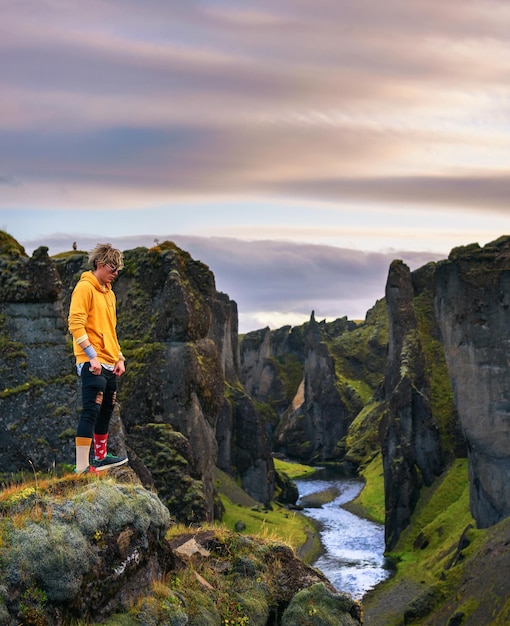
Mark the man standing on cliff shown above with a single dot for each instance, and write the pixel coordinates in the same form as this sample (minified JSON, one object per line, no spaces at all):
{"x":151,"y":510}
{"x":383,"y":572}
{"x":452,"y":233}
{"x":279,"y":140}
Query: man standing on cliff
{"x":92,"y":323}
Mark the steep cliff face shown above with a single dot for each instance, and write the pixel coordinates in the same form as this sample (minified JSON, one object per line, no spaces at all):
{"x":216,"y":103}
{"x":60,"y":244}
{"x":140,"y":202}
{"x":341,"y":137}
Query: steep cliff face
{"x":272,"y":368}
{"x":38,"y":390}
{"x":183,"y":357}
{"x":244,"y":450}
{"x":180,"y":339}
{"x":244,"y":446}
{"x":318,"y":418}
{"x":473,"y":309}
{"x":311,"y":381}
{"x":413,"y":453}
{"x":224,"y":333}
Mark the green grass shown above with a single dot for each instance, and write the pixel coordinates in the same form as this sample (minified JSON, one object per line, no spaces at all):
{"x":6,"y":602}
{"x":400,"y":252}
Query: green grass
{"x":280,"y":524}
{"x":370,"y":502}
{"x":426,"y":548}
{"x":294,"y":470}
{"x":441,"y":516}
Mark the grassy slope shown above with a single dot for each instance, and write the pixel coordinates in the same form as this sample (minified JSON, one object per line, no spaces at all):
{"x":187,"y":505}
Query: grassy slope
{"x":370,"y":502}
{"x":433,"y":569}
{"x":278,"y":524}
{"x":199,"y":589}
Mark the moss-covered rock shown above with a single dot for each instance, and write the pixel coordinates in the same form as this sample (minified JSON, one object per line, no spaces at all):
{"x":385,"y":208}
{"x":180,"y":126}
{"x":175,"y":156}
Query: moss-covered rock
{"x":168,"y":456}
{"x":79,"y":547}
{"x":319,"y":606}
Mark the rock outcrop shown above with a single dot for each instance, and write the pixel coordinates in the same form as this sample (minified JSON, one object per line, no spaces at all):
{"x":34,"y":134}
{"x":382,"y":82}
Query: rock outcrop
{"x":413,"y":453}
{"x":180,"y":339}
{"x":38,"y":388}
{"x":311,"y":381}
{"x":245,"y":449}
{"x":79,"y":550}
{"x":338,"y":373}
{"x":473,"y":309}
{"x":89,"y":549}
{"x":318,"y":418}
{"x":265,"y":357}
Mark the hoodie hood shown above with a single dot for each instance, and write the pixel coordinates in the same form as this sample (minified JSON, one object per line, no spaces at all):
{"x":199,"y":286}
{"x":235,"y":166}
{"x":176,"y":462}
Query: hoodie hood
{"x":89,"y":277}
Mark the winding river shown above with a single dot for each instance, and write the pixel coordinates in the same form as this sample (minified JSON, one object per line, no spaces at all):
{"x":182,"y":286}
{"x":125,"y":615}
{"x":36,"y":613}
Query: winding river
{"x":353,"y":557}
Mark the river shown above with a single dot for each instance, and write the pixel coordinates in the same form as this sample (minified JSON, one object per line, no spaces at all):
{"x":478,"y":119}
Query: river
{"x":353,"y":557}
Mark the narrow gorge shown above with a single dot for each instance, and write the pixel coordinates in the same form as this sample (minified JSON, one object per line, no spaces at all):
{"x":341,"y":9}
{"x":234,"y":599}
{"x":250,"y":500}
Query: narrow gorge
{"x":406,"y":399}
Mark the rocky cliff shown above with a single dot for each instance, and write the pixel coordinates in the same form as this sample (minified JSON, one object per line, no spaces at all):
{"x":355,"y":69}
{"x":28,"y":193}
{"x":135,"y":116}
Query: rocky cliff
{"x":446,"y":385}
{"x":473,"y":309}
{"x":180,"y":339}
{"x":413,"y":453}
{"x":448,"y":341}
{"x":88,"y":549}
{"x":38,"y":390}
{"x":310,"y":383}
{"x":318,"y":418}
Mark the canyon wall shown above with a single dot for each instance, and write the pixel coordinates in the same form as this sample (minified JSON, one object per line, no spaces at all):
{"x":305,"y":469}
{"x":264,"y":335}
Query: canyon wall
{"x":473,"y":308}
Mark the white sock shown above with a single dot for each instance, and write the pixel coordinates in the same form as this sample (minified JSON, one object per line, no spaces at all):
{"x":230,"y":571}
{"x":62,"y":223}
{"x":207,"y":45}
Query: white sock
{"x":82,"y":453}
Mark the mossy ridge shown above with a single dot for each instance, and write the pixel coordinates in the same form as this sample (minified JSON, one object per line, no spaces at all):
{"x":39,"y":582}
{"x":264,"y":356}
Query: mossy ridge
{"x":13,"y":260}
{"x":188,"y":290}
{"x":481,"y":267}
{"x":441,"y":393}
{"x":362,"y":441}
{"x":239,"y":586}
{"x":359,"y":353}
{"x":52,"y":532}
{"x":69,"y":255}
{"x":33,"y":499}
{"x":9,"y":246}
{"x":194,"y":276}
{"x":294,"y":470}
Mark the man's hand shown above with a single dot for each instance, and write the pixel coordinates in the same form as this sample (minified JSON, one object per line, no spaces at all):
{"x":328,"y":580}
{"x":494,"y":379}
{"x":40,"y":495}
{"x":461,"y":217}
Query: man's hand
{"x":95,"y":366}
{"x":119,"y":368}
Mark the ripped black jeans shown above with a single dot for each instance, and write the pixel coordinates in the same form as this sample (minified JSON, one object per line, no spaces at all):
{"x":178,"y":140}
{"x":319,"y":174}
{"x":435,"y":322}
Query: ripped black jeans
{"x":99,"y":394}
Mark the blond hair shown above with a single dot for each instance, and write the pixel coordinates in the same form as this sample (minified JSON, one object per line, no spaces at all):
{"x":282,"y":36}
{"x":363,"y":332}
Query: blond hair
{"x":106,"y":254}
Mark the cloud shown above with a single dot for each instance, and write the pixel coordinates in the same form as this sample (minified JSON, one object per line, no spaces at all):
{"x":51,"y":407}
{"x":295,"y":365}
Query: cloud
{"x":336,"y":99}
{"x":292,"y":278}
{"x":335,"y":121}
{"x":491,"y":193}
{"x":279,"y":282}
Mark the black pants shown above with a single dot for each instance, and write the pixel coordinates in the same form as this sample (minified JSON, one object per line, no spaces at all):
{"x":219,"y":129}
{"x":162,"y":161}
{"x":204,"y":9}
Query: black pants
{"x":99,"y":394}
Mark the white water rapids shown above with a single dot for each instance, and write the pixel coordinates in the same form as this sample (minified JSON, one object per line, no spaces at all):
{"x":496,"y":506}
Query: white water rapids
{"x":353,"y":558}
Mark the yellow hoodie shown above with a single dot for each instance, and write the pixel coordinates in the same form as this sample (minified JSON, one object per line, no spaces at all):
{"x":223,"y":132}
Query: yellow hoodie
{"x":93,"y":315}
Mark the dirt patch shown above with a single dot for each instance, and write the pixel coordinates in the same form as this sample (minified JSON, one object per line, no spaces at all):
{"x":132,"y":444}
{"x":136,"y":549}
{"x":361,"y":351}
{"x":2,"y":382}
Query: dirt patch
{"x":382,"y":605}
{"x":312,"y":549}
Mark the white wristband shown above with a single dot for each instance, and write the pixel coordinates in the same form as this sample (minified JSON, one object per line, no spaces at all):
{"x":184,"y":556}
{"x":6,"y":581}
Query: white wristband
{"x":90,"y":352}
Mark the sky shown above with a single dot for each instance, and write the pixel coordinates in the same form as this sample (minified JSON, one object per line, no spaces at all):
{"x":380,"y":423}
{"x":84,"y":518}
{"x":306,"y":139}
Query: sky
{"x":295,"y":147}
